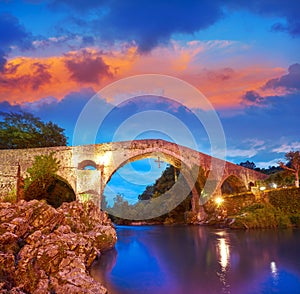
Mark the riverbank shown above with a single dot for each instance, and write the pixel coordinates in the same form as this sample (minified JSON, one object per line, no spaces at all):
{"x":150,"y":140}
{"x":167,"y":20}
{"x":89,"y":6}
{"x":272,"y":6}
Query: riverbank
{"x":48,"y":250}
{"x":277,"y":208}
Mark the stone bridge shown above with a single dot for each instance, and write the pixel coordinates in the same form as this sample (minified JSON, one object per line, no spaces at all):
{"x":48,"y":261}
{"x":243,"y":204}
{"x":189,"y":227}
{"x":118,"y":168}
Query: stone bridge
{"x":106,"y":159}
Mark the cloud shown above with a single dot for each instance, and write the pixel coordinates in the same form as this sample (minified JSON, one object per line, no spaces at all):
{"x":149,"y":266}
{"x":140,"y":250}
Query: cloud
{"x":275,"y":91}
{"x":270,"y":8}
{"x":248,"y":148}
{"x":39,"y":75}
{"x":267,"y":164}
{"x":27,"y":79}
{"x":290,"y":81}
{"x":146,"y":23}
{"x":222,"y":74}
{"x":86,"y":67}
{"x":149,"y":24}
{"x":243,"y":153}
{"x":284,"y":148}
{"x":252,"y":97}
{"x":12,"y":34}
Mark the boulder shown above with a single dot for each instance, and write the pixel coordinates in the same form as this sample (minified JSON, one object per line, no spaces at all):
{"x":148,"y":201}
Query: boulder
{"x":48,"y":250}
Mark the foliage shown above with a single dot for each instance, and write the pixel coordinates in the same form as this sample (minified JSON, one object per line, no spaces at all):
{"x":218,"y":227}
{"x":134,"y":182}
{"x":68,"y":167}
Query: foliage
{"x":10,"y":197}
{"x":248,"y":164}
{"x":23,"y":130}
{"x":43,"y":165}
{"x":270,"y":170}
{"x":281,"y":178}
{"x":293,"y":157}
{"x":122,"y":207}
{"x":282,"y":210}
{"x":288,"y":200}
{"x":161,"y":185}
{"x":261,"y":216}
{"x":50,"y":188}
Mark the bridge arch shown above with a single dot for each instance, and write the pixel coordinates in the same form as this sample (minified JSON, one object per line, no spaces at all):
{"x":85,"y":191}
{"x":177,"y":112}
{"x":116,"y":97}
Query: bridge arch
{"x":87,"y":163}
{"x":233,"y":184}
{"x":174,"y":159}
{"x":53,"y":188}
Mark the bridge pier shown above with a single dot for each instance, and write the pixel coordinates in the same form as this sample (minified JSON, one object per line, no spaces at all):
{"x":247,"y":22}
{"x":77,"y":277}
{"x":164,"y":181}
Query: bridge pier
{"x":197,"y":209}
{"x":89,"y":186}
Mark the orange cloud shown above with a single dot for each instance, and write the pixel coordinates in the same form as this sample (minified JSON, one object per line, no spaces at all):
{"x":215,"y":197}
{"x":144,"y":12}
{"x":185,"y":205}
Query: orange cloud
{"x":29,"y":79}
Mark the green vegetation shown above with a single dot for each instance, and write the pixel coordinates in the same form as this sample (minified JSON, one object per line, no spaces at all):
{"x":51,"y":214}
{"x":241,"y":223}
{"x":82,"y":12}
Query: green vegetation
{"x":43,"y":166}
{"x":279,"y":208}
{"x":293,"y":166}
{"x":43,"y":183}
{"x":288,"y":200}
{"x":161,"y":186}
{"x":261,"y":215}
{"x":23,"y":130}
{"x":10,"y":197}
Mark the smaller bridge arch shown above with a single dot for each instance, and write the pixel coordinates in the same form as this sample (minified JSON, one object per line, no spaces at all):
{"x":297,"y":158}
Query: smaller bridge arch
{"x":233,"y":184}
{"x":87,"y":163}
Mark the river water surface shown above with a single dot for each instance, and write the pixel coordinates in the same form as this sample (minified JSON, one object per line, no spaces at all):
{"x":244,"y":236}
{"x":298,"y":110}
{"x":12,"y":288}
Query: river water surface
{"x":195,"y":259}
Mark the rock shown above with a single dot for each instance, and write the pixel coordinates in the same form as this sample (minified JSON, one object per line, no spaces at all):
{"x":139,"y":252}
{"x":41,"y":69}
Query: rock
{"x":7,"y":271}
{"x":49,"y":250}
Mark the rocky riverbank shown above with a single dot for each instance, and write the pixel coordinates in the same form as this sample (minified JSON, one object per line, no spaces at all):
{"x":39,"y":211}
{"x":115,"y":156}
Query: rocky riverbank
{"x":48,"y":250}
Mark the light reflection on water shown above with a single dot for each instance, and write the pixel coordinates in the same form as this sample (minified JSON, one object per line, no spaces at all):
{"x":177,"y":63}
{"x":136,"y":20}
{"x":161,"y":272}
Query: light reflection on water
{"x":195,"y":260}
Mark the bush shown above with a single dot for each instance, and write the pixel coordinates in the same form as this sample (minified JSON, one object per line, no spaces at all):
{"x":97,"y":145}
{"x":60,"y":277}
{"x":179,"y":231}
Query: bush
{"x":262,"y":216}
{"x":295,"y":219}
{"x":288,"y":200}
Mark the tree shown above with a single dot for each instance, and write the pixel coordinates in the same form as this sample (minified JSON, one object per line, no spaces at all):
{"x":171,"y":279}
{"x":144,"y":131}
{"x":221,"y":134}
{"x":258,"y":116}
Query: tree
{"x":248,"y":164}
{"x":24,"y":130}
{"x":293,"y":158}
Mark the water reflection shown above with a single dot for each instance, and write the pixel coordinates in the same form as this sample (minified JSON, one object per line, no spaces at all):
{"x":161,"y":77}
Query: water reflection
{"x":195,"y":260}
{"x":224,"y":257}
{"x":224,"y":253}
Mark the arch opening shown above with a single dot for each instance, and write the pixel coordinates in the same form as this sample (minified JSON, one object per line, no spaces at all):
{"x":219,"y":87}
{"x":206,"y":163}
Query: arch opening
{"x":87,"y":165}
{"x":160,"y":185}
{"x":52,"y":188}
{"x":233,"y":185}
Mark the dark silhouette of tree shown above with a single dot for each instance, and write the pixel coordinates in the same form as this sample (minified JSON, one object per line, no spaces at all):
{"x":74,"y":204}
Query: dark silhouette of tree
{"x":293,"y":158}
{"x":24,"y":130}
{"x":248,"y":164}
{"x":161,"y":185}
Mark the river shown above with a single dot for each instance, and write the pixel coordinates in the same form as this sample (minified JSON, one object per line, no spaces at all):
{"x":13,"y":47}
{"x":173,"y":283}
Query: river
{"x":197,"y":259}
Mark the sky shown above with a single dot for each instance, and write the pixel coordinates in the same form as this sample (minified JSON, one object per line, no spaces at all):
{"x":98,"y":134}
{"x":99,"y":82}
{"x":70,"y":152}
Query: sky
{"x":243,"y":56}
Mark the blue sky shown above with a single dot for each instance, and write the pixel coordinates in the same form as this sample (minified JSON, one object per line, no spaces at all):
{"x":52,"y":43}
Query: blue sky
{"x":243,"y":56}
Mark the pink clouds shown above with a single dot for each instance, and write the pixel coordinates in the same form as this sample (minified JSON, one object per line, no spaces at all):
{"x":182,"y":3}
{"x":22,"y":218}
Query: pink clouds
{"x":29,"y":79}
{"x":87,"y":67}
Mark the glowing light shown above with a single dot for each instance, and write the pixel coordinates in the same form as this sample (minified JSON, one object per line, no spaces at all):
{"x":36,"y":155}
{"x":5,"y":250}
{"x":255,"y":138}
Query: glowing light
{"x":106,"y":158}
{"x":219,"y":200}
{"x":274,"y":185}
{"x":262,"y":188}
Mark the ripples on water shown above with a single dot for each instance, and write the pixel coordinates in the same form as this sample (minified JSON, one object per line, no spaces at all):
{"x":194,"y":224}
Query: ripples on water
{"x":195,"y":260}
